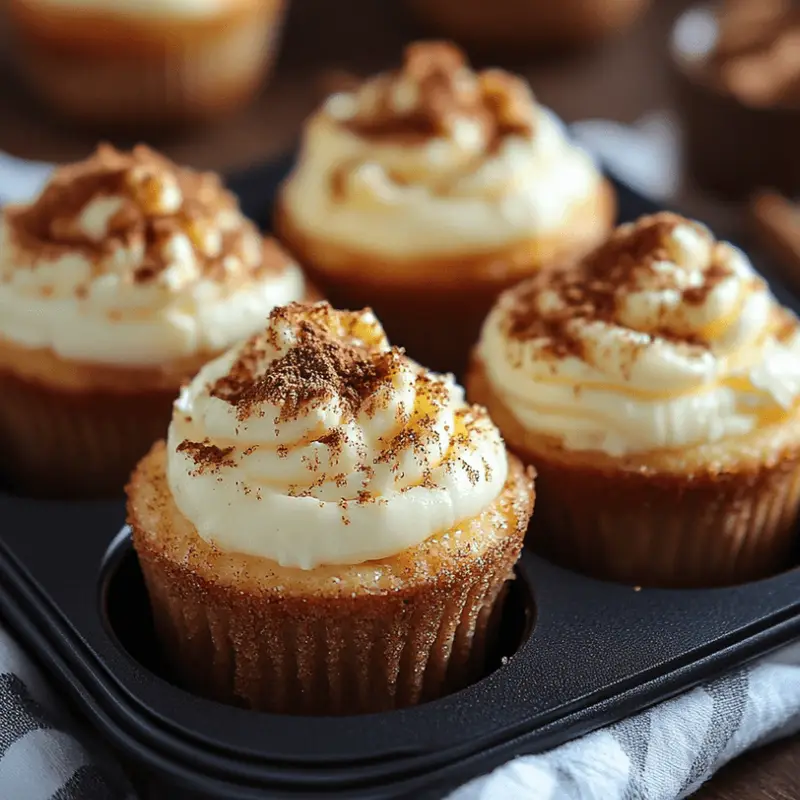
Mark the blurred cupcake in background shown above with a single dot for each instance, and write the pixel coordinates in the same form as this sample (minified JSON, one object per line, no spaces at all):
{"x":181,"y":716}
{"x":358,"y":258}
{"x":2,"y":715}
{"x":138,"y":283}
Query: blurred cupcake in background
{"x":428,"y":190}
{"x":117,"y":284}
{"x":147,"y":62}
{"x":737,"y":81}
{"x":523,"y":24}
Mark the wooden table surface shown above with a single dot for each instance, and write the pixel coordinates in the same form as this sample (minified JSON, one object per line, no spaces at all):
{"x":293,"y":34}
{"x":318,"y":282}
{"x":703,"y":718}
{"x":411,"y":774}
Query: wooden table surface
{"x":622,"y":80}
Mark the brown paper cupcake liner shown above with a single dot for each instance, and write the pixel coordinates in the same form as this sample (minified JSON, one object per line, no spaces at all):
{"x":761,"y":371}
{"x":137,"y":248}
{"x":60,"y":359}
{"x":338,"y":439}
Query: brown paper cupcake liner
{"x":349,"y":655}
{"x":57,"y":443}
{"x":184,"y":79}
{"x":678,"y":531}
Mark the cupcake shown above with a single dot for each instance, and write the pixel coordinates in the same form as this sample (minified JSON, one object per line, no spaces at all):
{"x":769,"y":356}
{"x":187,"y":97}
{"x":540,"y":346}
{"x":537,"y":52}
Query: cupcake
{"x":328,"y":527}
{"x":737,"y":83}
{"x":655,"y":388}
{"x":117,"y":284}
{"x":428,"y":190}
{"x":523,"y":25}
{"x":153,"y":62}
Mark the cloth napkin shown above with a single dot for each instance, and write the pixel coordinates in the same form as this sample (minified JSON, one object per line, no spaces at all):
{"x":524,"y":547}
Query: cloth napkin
{"x":46,"y":754}
{"x":663,"y":753}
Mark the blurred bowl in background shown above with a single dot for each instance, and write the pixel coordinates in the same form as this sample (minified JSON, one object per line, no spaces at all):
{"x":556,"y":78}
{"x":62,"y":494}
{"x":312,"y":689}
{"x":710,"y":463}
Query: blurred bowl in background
{"x":736,"y":73}
{"x":144,"y":62}
{"x":494,"y":25}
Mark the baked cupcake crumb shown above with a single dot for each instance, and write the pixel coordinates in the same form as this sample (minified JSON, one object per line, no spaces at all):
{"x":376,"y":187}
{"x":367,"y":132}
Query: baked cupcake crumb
{"x":117,"y":283}
{"x":328,"y":496}
{"x":659,"y":382}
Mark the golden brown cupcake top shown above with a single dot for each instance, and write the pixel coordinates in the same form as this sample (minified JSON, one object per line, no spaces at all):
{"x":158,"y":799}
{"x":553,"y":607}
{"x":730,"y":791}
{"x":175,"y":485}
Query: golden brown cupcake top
{"x":132,"y":241}
{"x":351,"y":450}
{"x":662,"y":337}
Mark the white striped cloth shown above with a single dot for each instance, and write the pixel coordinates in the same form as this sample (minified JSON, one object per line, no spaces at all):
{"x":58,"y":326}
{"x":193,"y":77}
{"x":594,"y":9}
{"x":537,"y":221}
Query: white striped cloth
{"x":46,"y":754}
{"x":666,"y":752}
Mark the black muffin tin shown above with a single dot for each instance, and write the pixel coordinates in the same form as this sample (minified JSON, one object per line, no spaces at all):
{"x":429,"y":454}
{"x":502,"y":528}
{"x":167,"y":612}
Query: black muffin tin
{"x":575,"y":654}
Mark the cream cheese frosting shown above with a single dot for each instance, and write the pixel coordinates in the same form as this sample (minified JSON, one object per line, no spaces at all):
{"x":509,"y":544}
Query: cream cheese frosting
{"x":127,"y":259}
{"x":315,"y":442}
{"x":435,"y":160}
{"x":663,"y":338}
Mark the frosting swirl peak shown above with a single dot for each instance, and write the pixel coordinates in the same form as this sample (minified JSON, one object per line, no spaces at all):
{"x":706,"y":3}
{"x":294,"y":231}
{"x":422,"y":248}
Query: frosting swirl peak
{"x":663,"y":337}
{"x":141,"y":218}
{"x":350,"y":450}
{"x":435,"y":93}
{"x":663,"y":277}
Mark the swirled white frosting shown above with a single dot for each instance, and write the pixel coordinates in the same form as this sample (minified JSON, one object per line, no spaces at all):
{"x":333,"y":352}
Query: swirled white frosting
{"x":435,"y":161}
{"x":127,"y":259}
{"x":663,"y":338}
{"x":316,"y":443}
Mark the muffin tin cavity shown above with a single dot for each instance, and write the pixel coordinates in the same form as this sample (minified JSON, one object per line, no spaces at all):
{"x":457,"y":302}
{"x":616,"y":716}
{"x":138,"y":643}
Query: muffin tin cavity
{"x":125,"y":609}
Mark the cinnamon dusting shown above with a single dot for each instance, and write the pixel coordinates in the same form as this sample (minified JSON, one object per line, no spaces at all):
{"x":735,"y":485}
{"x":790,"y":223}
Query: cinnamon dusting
{"x":208,"y":457}
{"x":592,"y":291}
{"x":434,"y":91}
{"x":318,"y":368}
{"x":312,"y":354}
{"x":159,"y":203}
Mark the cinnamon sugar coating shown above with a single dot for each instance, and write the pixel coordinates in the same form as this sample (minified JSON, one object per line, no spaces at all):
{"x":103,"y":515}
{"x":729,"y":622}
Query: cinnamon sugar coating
{"x":340,"y":639}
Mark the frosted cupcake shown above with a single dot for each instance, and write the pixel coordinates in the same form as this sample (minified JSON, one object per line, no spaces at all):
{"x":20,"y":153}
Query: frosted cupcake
{"x":428,"y":190}
{"x":117,"y":283}
{"x":144,"y":62}
{"x":656,"y":390}
{"x":329,"y":526}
